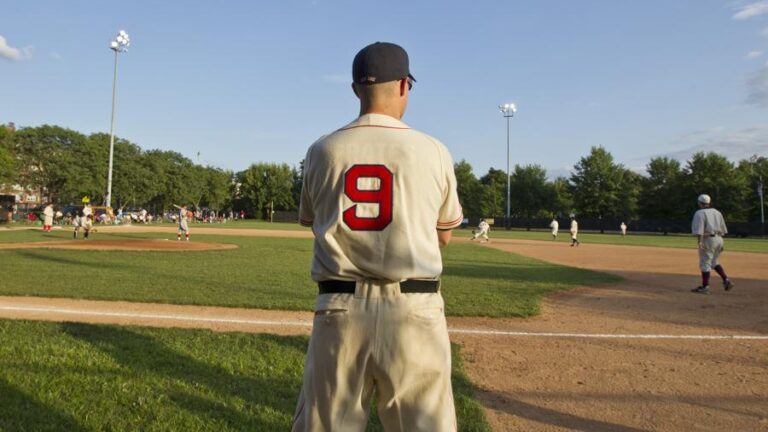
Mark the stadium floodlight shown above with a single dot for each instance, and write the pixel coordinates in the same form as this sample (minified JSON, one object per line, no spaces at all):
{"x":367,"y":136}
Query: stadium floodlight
{"x":120,"y":44}
{"x":509,"y":110}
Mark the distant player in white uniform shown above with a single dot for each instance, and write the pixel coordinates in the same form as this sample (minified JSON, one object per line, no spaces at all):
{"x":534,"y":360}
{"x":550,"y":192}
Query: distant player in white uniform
{"x":78,"y":222}
{"x":623,"y":228}
{"x":182,"y":220}
{"x":381,"y":199}
{"x":48,"y":214}
{"x":574,"y":231}
{"x":84,"y":220}
{"x":481,"y":231}
{"x":555,"y":226}
{"x":709,"y":228}
{"x":87,"y":211}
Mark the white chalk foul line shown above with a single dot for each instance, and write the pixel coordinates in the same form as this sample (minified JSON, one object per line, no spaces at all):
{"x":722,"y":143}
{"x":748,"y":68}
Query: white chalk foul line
{"x":309,"y":324}
{"x":606,"y":335}
{"x":154,"y":316}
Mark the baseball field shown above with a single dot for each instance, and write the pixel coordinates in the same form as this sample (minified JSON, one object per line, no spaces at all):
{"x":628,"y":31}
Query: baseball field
{"x":132,"y":330}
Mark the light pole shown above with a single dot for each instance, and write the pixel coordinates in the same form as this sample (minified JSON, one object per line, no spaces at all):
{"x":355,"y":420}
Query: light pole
{"x":508,"y":110}
{"x":120,"y":44}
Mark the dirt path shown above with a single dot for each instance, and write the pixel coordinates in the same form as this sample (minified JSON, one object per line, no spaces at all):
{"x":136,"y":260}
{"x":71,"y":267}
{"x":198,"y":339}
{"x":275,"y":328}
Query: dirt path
{"x":595,"y":384}
{"x":635,"y":356}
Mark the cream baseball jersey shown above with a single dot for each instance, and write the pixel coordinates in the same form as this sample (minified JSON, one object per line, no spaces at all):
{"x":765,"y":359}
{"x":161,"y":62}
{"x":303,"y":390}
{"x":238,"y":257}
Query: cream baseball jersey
{"x":374,"y":193}
{"x":708,"y":221}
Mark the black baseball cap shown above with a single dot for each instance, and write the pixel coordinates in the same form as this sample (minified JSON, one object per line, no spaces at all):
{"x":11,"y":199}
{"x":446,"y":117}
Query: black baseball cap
{"x":380,"y":62}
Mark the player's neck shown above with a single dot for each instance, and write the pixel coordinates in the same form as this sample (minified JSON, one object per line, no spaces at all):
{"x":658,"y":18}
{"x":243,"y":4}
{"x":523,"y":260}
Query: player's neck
{"x":391,"y":110}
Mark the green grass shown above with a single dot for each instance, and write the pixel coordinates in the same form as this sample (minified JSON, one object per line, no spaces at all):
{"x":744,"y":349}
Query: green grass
{"x":82,"y":377}
{"x":669,"y":241}
{"x":271,"y":273}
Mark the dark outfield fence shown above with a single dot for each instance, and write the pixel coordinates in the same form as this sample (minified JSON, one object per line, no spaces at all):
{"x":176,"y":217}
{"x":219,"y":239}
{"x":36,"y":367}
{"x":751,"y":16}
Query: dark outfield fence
{"x":650,"y":226}
{"x":663,"y":227}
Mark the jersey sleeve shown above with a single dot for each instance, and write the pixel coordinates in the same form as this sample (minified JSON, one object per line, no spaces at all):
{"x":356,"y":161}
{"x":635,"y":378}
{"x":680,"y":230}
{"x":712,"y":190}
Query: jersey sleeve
{"x":451,"y":213}
{"x":723,"y":228}
{"x":306,"y":212}
{"x":697,"y":225}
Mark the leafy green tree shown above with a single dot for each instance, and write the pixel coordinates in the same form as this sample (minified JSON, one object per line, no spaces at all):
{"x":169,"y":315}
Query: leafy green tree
{"x":713,"y":174}
{"x":629,"y":193}
{"x":7,"y":166}
{"x":87,"y":162}
{"x":45,"y":159}
{"x":469,"y":189}
{"x":530,"y":193}
{"x":661,"y":191}
{"x":753,"y":169}
{"x":562,"y":200}
{"x":494,"y":193}
{"x":216,"y":191}
{"x":179,"y":181}
{"x":264,"y":186}
{"x":597,"y":184}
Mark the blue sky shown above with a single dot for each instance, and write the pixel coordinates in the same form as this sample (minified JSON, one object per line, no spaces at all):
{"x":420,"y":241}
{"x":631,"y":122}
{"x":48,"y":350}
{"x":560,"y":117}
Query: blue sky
{"x":243,"y":82}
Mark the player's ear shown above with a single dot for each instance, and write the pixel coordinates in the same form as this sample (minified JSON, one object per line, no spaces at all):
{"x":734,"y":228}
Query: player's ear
{"x":403,"y":86}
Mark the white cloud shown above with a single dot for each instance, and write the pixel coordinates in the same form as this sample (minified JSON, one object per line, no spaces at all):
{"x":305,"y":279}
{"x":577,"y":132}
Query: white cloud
{"x":751,"y":10}
{"x":754,"y":54}
{"x":12,"y":53}
{"x":757,"y":88}
{"x":733,"y":144}
{"x":56,"y":56}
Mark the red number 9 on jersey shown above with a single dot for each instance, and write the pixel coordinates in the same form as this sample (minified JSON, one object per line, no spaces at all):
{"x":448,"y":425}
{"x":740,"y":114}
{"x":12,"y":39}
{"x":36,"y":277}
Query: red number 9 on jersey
{"x":381,"y":196}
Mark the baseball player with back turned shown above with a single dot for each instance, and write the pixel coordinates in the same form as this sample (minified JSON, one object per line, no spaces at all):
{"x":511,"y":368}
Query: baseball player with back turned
{"x":555,"y":226}
{"x":381,"y":200}
{"x":709,"y":228}
{"x":574,"y":231}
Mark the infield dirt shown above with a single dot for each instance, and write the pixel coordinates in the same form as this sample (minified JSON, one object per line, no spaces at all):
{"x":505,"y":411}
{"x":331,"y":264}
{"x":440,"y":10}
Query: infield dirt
{"x":570,"y":382}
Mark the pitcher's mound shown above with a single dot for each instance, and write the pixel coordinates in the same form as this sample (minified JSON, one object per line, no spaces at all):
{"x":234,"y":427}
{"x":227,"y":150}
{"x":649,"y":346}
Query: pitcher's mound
{"x":129,"y":245}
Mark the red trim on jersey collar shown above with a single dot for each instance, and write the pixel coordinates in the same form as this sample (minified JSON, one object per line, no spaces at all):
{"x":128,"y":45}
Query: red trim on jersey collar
{"x":374,"y":126}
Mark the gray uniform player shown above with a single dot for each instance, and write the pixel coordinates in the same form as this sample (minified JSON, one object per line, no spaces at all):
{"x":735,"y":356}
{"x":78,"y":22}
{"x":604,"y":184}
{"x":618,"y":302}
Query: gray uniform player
{"x":182,"y":220}
{"x":709,"y":228}
{"x":381,"y":199}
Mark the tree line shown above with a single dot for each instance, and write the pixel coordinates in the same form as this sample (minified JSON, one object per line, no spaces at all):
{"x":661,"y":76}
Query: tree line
{"x":601,"y":188}
{"x":65,"y":165}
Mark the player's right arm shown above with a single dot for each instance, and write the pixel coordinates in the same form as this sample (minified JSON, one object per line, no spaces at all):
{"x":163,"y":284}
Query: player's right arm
{"x":450,"y":213}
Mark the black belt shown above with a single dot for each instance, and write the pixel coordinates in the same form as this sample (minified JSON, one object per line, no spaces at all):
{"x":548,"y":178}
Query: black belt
{"x":406,"y":286}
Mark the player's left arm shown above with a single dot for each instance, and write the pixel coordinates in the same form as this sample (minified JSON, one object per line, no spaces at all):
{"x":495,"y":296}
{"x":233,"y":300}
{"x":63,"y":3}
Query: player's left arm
{"x":451,"y":213}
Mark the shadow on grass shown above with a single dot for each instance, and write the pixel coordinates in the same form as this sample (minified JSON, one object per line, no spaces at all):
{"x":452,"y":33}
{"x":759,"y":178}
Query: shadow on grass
{"x":528,"y":273}
{"x":146,"y":355}
{"x":19,"y":412}
{"x":53,"y":258}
